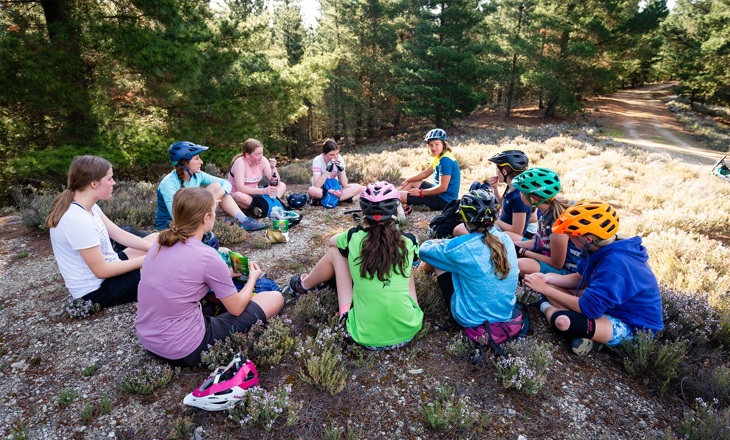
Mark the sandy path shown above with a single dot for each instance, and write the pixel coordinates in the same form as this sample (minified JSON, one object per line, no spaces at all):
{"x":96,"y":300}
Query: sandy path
{"x":638,"y":117}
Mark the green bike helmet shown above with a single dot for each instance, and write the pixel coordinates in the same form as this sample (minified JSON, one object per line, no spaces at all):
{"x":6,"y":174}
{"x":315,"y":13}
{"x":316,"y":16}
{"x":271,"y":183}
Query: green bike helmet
{"x":541,"y":182}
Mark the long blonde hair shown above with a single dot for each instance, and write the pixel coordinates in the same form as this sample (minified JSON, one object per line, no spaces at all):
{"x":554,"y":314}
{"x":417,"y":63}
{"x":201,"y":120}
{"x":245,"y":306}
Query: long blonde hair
{"x":558,"y":205}
{"x":82,"y":171}
{"x":249,"y":146}
{"x":499,"y":255}
{"x":189,"y":207}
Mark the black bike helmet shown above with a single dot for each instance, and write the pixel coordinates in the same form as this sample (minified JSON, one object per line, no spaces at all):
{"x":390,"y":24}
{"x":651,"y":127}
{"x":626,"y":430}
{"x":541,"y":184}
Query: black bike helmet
{"x":379,"y":201}
{"x":479,"y":208}
{"x":515,"y":159}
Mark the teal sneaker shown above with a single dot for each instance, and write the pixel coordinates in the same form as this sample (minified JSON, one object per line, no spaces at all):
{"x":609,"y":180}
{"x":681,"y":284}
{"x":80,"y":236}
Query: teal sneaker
{"x":250,"y":225}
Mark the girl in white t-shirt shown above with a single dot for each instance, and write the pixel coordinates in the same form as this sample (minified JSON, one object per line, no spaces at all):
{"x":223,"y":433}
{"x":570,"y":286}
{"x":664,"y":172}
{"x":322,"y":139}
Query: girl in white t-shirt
{"x":247,"y":170}
{"x":80,"y":236}
{"x":330,"y":165}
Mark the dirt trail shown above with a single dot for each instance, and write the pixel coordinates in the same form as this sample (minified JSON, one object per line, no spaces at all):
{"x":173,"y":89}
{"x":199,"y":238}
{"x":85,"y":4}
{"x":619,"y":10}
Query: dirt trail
{"x":638,"y":117}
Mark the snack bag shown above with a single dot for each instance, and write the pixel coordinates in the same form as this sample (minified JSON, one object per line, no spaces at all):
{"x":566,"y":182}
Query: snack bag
{"x":279,"y":232}
{"x":239,"y":262}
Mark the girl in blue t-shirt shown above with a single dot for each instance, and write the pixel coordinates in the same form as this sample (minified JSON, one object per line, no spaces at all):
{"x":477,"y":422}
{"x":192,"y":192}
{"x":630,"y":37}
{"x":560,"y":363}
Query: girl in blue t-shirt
{"x":446,"y":175}
{"x":545,"y":252}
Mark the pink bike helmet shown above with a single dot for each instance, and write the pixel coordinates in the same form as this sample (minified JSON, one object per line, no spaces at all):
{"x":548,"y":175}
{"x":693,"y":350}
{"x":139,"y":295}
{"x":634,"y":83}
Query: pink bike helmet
{"x":224,"y":387}
{"x":379,"y":201}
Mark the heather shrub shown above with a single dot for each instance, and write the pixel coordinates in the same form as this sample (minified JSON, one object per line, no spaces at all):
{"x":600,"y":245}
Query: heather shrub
{"x":458,"y":346}
{"x":322,"y":362}
{"x":147,"y":378}
{"x":33,"y":205}
{"x":448,"y":413}
{"x":300,"y":172}
{"x":79,"y":308}
{"x":316,"y":308}
{"x":229,"y":234}
{"x":429,"y":294}
{"x":688,"y":317}
{"x":66,"y":396}
{"x":655,"y":363}
{"x":366,"y":168}
{"x":261,"y":408}
{"x":133,"y":204}
{"x":525,"y":365}
{"x":706,"y":422}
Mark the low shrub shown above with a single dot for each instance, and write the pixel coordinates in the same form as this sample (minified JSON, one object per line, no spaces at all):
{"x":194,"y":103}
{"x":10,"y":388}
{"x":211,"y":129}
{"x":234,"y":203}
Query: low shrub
{"x":90,"y":370}
{"x":133,"y":204}
{"x":650,"y":360}
{"x":262,"y":408}
{"x":688,"y":317}
{"x":87,"y":413}
{"x":79,"y":308}
{"x":147,"y":378}
{"x":430,"y":298}
{"x":449,"y":413}
{"x":458,"y":346}
{"x":229,"y":234}
{"x":525,"y":365}
{"x":316,"y":308}
{"x":706,"y":422}
{"x":33,"y":205}
{"x":323,"y":364}
{"x":299,"y":172}
{"x":181,"y":428}
{"x":66,"y":396}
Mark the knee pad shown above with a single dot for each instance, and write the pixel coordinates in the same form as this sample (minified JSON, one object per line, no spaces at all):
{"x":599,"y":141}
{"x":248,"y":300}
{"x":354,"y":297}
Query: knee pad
{"x":580,"y":326}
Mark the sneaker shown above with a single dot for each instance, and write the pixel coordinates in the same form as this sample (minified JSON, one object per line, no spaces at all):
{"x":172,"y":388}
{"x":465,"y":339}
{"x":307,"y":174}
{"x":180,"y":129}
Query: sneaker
{"x":251,"y":225}
{"x":584,"y":346}
{"x":296,"y":286}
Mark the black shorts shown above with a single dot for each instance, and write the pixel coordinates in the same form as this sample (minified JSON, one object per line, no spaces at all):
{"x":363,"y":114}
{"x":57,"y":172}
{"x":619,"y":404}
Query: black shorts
{"x":435,"y":203}
{"x":120,"y":289}
{"x":218,"y":328}
{"x":446,"y":283}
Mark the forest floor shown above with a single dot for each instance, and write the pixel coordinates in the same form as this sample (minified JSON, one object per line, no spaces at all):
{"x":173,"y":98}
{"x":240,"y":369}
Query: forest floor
{"x":43,"y":351}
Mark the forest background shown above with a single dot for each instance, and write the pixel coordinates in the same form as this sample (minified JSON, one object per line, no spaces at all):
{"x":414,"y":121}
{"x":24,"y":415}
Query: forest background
{"x":124,"y":79}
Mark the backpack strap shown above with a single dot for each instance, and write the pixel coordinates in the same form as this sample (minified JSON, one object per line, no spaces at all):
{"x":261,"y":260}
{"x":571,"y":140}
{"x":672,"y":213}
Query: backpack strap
{"x":346,"y":251}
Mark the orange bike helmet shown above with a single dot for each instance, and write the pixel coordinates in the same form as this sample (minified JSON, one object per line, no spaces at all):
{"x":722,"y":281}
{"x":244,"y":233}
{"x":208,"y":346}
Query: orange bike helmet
{"x":588,"y":217}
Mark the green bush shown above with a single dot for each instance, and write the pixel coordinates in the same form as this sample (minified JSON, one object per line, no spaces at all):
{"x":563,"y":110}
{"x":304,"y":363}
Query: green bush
{"x":525,"y":365}
{"x":316,"y":308}
{"x":133,"y":204}
{"x":147,"y":378}
{"x":34,"y":205}
{"x":430,"y":298}
{"x":706,"y":422}
{"x":448,"y":413}
{"x":181,"y":428}
{"x":655,"y":363}
{"x":229,"y":234}
{"x":66,"y":396}
{"x":262,"y":408}
{"x":299,"y":172}
{"x":322,"y":362}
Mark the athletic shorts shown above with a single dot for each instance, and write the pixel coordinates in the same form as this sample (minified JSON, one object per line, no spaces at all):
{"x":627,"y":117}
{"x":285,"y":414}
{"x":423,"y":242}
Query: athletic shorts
{"x":435,"y":203}
{"x":621,"y":331}
{"x":120,"y":289}
{"x":218,"y":328}
{"x":546,"y":268}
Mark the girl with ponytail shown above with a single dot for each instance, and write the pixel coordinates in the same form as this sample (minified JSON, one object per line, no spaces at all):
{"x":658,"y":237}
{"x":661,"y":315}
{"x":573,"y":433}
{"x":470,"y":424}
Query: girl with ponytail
{"x":372,"y":267}
{"x":477,"y":272}
{"x":178,"y":272}
{"x":80,"y":236}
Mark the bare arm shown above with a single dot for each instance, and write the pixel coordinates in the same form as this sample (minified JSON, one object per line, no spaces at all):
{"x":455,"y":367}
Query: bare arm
{"x":558,"y":251}
{"x":121,"y":236}
{"x":235,"y":304}
{"x":94,"y":258}
{"x":420,"y":176}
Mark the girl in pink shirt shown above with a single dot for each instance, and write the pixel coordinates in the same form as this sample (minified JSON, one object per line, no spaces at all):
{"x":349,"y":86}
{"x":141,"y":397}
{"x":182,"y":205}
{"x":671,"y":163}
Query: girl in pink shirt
{"x":247,"y":170}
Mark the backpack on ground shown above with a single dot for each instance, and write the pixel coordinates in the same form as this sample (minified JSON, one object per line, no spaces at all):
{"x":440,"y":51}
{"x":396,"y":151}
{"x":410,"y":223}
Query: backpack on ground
{"x":261,"y":206}
{"x":480,"y":185}
{"x":443,"y":224}
{"x":495,"y":333}
{"x":330,"y":200}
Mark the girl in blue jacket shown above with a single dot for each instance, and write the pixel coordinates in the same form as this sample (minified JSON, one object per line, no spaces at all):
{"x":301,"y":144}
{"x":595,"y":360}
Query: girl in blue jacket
{"x":614,"y":292}
{"x":477,"y":272}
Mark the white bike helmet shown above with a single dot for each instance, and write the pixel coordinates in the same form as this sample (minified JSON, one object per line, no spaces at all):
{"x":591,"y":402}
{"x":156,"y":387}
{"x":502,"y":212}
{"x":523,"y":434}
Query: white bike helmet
{"x":224,"y":387}
{"x":279,"y":214}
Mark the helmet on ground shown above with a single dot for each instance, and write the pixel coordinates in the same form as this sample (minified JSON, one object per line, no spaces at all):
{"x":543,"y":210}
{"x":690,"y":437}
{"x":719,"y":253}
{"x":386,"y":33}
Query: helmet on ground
{"x":541,"y":182}
{"x":224,"y":387}
{"x":278,"y":213}
{"x":379,"y":201}
{"x":479,"y":208}
{"x":588,"y":217}
{"x":436,"y":133}
{"x":184,"y":150}
{"x":515,"y":159}
{"x":297,"y":200}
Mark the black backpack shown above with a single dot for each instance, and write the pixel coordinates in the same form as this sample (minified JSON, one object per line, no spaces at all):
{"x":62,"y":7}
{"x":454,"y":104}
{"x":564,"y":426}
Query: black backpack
{"x":442,"y":226}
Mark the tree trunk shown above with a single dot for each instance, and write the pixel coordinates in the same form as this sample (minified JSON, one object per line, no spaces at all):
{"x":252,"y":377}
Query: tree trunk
{"x":64,"y":33}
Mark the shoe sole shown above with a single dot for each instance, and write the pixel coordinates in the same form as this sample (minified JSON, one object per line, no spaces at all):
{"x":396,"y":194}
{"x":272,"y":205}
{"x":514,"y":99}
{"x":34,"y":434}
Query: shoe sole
{"x":585,"y":347}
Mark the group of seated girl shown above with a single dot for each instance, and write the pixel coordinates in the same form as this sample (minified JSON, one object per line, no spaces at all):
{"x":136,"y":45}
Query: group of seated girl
{"x":596,"y":286}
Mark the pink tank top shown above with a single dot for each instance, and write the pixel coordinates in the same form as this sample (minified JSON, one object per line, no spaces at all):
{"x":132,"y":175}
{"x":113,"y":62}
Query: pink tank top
{"x":251,"y":176}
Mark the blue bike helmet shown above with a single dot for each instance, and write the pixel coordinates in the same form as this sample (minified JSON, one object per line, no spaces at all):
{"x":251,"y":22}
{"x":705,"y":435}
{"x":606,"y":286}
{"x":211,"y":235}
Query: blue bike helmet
{"x":184,"y":150}
{"x":297,"y":200}
{"x":436,"y":133}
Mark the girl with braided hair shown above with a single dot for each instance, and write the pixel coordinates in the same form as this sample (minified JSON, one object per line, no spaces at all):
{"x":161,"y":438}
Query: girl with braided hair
{"x":372,"y":266}
{"x":80,"y":236}
{"x":477,"y":272}
{"x":178,"y":272}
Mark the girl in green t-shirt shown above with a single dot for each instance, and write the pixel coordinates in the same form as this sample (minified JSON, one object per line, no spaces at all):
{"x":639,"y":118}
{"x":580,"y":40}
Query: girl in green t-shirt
{"x":372,"y":267}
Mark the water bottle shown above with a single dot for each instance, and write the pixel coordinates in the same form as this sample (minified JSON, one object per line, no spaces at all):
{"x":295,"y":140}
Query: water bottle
{"x":274,"y":181}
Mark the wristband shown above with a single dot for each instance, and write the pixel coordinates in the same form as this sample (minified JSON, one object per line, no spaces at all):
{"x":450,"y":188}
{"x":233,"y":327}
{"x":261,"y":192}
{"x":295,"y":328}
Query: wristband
{"x":420,"y":192}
